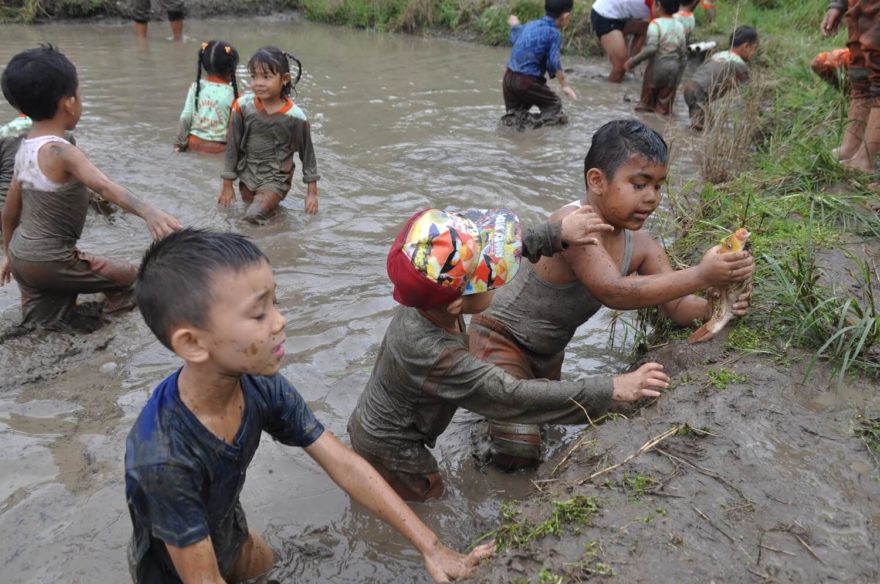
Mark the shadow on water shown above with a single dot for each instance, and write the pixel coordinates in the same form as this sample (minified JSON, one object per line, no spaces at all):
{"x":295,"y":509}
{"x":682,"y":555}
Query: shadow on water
{"x":399,"y":123}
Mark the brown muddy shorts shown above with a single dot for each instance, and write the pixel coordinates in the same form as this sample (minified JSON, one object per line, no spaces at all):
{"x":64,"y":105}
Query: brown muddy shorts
{"x":418,"y":487}
{"x":863,"y":26}
{"x":140,"y":9}
{"x":514,"y":446}
{"x":49,"y":289}
{"x":522,"y":91}
{"x":196,"y":144}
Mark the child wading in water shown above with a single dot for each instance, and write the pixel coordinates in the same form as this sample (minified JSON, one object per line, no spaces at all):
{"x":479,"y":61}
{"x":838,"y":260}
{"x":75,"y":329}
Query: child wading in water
{"x":265,"y":130}
{"x":205,"y":114}
{"x":47,"y":203}
{"x":666,"y":47}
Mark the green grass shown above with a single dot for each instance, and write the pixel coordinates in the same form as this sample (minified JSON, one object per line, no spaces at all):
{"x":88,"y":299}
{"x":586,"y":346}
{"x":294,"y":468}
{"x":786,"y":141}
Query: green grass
{"x":515,"y":532}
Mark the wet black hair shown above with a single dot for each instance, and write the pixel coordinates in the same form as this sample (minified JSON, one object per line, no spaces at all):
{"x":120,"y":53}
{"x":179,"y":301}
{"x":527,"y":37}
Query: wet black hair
{"x":35,"y":81}
{"x":617,"y":141}
{"x":556,"y":8}
{"x":670,"y":6}
{"x":175,"y":282}
{"x":276,"y":61}
{"x":743,"y":35}
{"x":689,"y":4}
{"x":216,"y":58}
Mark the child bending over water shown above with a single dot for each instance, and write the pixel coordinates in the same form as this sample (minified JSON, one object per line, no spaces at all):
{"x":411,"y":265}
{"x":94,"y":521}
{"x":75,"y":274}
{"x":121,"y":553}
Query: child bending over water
{"x":47,"y":202}
{"x":205,"y":115}
{"x":265,"y":131}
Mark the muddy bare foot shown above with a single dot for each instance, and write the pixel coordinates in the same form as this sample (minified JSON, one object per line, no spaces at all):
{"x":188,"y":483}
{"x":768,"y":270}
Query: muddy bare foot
{"x":859,"y":163}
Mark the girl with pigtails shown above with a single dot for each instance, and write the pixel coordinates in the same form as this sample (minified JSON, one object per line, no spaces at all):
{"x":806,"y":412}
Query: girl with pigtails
{"x":265,"y":130}
{"x":205,"y":114}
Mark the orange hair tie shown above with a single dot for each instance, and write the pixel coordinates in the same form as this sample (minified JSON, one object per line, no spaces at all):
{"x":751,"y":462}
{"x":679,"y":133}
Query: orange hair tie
{"x":228,"y":49}
{"x":204,"y":46}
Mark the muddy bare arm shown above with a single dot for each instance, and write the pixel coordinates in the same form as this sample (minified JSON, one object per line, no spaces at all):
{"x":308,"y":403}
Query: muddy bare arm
{"x":196,"y":563}
{"x":360,"y":480}
{"x":74,"y":162}
{"x":656,"y":283}
{"x":11,"y":217}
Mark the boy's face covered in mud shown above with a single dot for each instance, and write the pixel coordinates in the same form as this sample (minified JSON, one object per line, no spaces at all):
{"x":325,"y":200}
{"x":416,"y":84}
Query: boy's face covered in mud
{"x":246,"y":331}
{"x":631,"y":195}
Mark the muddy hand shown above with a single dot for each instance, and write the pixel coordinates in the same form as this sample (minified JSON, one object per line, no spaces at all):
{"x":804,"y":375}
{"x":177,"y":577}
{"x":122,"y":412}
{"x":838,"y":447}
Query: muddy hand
{"x":312,"y":200}
{"x":5,"y":272}
{"x":227,"y":197}
{"x":830,"y":22}
{"x":646,"y":381}
{"x":720,"y":269}
{"x":447,"y":565}
{"x":161,"y":223}
{"x":741,"y":306}
{"x":577,"y":227}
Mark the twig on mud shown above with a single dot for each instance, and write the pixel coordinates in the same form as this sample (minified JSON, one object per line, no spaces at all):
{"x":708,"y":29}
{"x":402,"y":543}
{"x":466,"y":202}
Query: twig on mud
{"x":705,"y":471}
{"x":712,"y":523}
{"x":577,"y":445}
{"x":808,"y":548}
{"x":738,"y":507}
{"x":759,"y":574}
{"x":646,"y":447}
{"x":777,"y":550}
{"x":584,"y":410}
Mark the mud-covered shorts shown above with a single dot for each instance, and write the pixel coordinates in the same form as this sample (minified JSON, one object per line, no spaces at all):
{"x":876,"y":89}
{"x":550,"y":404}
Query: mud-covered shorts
{"x":49,"y":289}
{"x":863,"y":26}
{"x":522,"y":91}
{"x":696,"y":100}
{"x":514,"y":446}
{"x":140,"y":9}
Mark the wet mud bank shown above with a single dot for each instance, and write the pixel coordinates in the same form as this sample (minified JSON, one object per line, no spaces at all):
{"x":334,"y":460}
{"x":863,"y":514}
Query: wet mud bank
{"x":740,"y":473}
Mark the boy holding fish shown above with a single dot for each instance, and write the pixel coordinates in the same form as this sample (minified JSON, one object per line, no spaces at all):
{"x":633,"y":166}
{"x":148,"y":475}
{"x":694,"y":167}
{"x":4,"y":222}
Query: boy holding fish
{"x":531,"y":321}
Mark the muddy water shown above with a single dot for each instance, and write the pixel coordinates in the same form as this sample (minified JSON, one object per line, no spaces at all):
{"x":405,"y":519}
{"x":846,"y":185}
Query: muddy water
{"x":399,"y":123}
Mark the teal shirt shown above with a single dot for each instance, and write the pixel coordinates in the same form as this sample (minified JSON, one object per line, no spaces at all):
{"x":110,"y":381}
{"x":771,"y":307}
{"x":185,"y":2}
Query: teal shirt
{"x":209,"y":118}
{"x":11,"y":135}
{"x":666,"y":47}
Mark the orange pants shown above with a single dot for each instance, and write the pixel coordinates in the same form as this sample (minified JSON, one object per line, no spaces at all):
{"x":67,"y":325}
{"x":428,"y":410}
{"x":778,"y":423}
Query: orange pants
{"x":196,"y":144}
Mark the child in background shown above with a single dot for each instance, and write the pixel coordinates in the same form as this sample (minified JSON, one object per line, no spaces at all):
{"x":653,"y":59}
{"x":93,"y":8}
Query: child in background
{"x":210,"y":298}
{"x":47,"y":202}
{"x":265,"y":131}
{"x":443,"y":266}
{"x":536,"y":47}
{"x":205,"y":114}
{"x":685,"y":16}
{"x":620,"y":26}
{"x":709,"y":7}
{"x":666,"y":47}
{"x":11,"y":135}
{"x":720,"y":74}
{"x":531,"y":321}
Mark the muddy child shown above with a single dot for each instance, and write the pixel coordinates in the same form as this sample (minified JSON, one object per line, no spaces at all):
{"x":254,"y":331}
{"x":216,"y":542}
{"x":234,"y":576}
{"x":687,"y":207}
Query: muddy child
{"x":685,"y":16}
{"x":203,"y":121}
{"x":530,"y":321}
{"x":721,"y":73}
{"x":620,"y":26}
{"x":49,"y":196}
{"x":141,"y":13}
{"x":666,"y":52}
{"x":265,"y":131}
{"x":210,"y":298}
{"x":535,"y":51}
{"x":443,"y":266}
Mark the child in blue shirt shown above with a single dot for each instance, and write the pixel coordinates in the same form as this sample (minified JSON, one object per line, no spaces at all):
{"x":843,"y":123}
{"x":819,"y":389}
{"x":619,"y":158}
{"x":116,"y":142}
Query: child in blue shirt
{"x":210,"y":297}
{"x":535,"y":51}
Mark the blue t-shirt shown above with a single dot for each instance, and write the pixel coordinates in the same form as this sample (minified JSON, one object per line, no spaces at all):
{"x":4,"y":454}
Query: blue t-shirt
{"x":536,"y":48}
{"x":182,"y":482}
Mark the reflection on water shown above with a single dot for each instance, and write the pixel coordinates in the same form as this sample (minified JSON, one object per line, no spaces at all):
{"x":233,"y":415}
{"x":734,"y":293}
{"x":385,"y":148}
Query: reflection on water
{"x":399,"y":123}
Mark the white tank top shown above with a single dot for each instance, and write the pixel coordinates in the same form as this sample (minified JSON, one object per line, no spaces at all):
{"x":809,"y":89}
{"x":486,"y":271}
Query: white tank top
{"x":624,"y":9}
{"x":27,"y":164}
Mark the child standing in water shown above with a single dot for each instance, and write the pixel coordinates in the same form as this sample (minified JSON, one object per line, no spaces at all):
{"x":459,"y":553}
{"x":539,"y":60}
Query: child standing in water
{"x":265,"y":130}
{"x":666,"y":50}
{"x":209,"y":102}
{"x":47,"y":202}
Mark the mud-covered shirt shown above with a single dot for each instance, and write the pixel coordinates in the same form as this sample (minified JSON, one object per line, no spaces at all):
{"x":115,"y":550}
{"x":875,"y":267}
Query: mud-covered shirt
{"x":687,"y":20}
{"x":720,"y":73}
{"x":260,"y":146}
{"x":666,"y":46}
{"x":207,"y":119}
{"x":182,"y":482}
{"x":11,"y":135}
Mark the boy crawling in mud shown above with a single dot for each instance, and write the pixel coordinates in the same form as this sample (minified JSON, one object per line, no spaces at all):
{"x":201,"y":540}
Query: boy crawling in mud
{"x":48,"y":199}
{"x":531,"y":321}
{"x":535,"y":51}
{"x":443,"y":266}
{"x":210,"y":298}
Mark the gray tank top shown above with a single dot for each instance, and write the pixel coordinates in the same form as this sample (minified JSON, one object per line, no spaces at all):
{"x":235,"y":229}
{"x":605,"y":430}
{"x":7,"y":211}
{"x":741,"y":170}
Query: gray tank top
{"x":543,"y":317}
{"x":52,"y":214}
